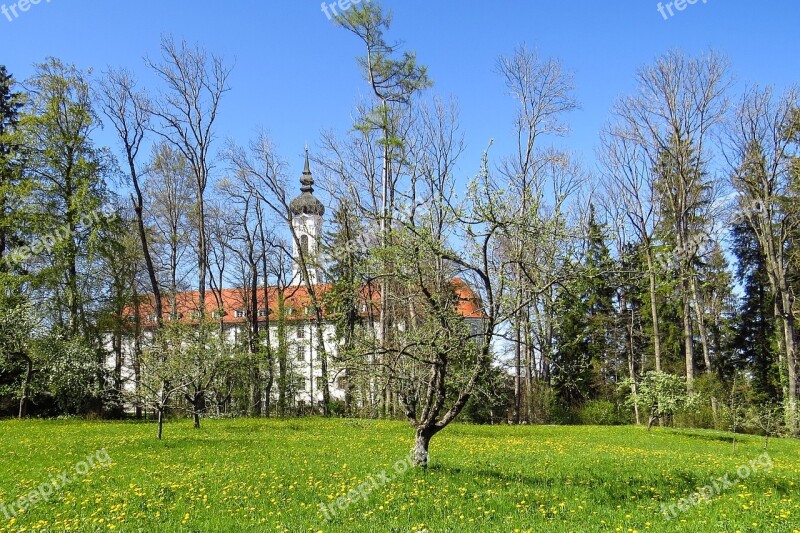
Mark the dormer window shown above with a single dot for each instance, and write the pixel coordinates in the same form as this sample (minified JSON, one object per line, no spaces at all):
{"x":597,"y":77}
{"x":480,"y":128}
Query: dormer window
{"x":262,"y":313}
{"x":240,"y":313}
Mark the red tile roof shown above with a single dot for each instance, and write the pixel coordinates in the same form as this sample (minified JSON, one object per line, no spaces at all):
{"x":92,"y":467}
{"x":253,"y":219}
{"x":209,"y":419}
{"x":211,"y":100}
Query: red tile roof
{"x":297,"y":301}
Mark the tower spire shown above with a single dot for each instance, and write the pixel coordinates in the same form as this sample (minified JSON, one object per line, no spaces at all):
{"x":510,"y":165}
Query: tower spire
{"x":307,"y":181}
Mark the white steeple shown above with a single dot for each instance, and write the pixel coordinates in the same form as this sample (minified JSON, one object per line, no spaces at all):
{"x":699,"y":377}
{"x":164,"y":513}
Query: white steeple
{"x":307,"y":212}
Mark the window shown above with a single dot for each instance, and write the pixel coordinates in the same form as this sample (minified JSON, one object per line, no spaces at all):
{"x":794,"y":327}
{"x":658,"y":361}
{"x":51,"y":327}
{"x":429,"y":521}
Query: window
{"x":151,"y":317}
{"x":304,"y":245}
{"x":262,"y":313}
{"x":301,"y":353}
{"x":195,"y":315}
{"x":320,"y":383}
{"x":301,"y":384}
{"x":240,"y":313}
{"x":301,"y":332}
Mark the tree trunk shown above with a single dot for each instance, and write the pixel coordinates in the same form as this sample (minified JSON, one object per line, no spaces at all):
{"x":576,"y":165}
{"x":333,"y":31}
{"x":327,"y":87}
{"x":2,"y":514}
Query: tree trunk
{"x":701,"y":326}
{"x":198,"y":406}
{"x":654,"y":308}
{"x":529,"y":363}
{"x":688,"y":336}
{"x":267,"y":396}
{"x":421,"y":444}
{"x":26,"y":387}
{"x":632,"y":367}
{"x":160,"y":422}
{"x":789,"y":335}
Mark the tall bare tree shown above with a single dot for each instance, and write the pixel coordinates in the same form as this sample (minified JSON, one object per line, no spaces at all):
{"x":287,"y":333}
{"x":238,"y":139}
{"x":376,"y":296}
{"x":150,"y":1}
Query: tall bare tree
{"x":629,"y":180}
{"x":262,"y":171}
{"x":186,"y":112}
{"x":127,"y":109}
{"x":543,"y":94}
{"x":762,"y":149}
{"x":671,"y":119}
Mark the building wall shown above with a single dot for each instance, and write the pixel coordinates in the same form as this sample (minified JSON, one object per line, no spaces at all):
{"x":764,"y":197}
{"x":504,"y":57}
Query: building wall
{"x":303,"y":356}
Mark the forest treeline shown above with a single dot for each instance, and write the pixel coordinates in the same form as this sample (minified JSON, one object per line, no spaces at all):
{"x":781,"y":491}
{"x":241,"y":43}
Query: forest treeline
{"x":661,"y":275}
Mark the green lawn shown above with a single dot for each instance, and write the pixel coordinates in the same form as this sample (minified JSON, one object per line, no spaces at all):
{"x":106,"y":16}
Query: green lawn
{"x":270,"y":475}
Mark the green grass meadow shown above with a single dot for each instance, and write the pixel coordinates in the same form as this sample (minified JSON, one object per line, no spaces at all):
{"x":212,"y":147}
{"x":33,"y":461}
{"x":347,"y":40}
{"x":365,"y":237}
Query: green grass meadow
{"x":272,"y":475}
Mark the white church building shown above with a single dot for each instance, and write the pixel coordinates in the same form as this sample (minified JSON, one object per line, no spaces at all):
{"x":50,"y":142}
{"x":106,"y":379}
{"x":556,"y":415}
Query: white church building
{"x":232,"y":307}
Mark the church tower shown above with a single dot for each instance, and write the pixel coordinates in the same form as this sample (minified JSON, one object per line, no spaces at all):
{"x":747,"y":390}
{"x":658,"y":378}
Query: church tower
{"x":307,"y":212}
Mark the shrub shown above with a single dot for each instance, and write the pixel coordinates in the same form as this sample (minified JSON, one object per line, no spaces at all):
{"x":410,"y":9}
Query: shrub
{"x":601,"y":413}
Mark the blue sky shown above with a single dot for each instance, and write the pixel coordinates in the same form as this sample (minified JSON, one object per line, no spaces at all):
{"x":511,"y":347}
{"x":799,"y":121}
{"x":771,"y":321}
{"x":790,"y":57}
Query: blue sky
{"x":296,"y":74}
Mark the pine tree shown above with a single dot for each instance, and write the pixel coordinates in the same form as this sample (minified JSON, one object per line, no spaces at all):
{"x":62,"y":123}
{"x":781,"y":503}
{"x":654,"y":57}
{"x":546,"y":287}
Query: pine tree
{"x":10,"y":168}
{"x":684,"y":197}
{"x":585,"y":360}
{"x":599,"y":295}
{"x":755,"y":340}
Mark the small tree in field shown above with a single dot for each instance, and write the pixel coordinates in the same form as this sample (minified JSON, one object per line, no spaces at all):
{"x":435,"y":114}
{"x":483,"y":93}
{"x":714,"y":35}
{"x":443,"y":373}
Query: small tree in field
{"x":660,"y":394}
{"x":767,"y":418}
{"x":16,"y":322}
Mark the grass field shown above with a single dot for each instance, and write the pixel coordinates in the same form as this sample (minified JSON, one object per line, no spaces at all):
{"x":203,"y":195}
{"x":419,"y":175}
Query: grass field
{"x":269,"y":475}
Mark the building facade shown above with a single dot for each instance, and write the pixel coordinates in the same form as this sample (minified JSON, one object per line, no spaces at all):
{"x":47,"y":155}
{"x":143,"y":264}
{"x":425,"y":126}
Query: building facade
{"x":285,"y":312}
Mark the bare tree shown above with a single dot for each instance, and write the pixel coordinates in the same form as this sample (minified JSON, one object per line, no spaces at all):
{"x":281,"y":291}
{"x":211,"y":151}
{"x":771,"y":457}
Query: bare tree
{"x":127,"y":109}
{"x":187,"y":112}
{"x":542,"y":92}
{"x":262,"y":171}
{"x":168,"y":210}
{"x":680,"y":101}
{"x":762,"y":149}
{"x":628,"y":179}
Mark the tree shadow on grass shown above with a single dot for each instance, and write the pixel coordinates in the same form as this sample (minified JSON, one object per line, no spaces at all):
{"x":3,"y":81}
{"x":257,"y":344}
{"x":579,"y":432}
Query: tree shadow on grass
{"x":606,"y":486}
{"x":728,"y":439}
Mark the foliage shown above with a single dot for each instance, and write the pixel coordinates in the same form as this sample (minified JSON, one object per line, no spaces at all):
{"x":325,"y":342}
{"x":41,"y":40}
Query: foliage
{"x":660,"y":395}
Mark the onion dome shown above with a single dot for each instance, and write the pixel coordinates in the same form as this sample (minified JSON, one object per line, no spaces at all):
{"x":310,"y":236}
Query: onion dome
{"x":307,"y":203}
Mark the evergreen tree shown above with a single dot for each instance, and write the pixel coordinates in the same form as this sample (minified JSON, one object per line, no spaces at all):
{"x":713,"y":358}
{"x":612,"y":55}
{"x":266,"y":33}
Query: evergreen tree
{"x":684,"y":197}
{"x":572,"y":364}
{"x":585,"y":361}
{"x":599,"y":294}
{"x":755,"y":330}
